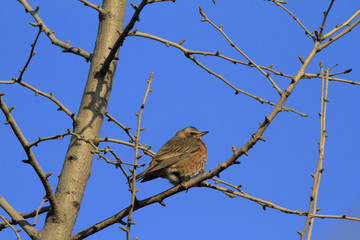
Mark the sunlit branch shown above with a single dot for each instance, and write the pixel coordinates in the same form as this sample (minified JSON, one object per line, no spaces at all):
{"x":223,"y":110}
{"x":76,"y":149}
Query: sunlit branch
{"x":267,"y":75}
{"x":30,"y":230}
{"x":31,"y":157}
{"x":39,"y":23}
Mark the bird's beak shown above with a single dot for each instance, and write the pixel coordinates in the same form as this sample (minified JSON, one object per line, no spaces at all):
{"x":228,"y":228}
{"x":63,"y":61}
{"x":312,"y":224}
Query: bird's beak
{"x":203,"y":133}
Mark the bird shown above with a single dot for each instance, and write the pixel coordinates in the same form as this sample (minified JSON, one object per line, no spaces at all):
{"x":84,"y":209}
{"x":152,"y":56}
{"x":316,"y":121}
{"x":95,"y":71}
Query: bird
{"x":180,"y":159}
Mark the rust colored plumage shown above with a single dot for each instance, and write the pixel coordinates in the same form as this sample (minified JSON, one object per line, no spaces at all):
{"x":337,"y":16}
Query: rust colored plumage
{"x":182,"y":158}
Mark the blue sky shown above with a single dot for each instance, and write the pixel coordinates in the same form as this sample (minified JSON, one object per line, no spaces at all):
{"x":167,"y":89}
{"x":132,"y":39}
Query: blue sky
{"x":186,"y":95}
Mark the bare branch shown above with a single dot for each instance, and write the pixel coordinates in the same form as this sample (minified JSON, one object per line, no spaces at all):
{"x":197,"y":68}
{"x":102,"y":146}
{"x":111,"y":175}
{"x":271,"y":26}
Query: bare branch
{"x":346,"y":23}
{"x":25,"y":216}
{"x":317,"y":177}
{"x":188,"y":53}
{"x":32,"y":53}
{"x":325,"y":17}
{"x":31,"y":157}
{"x":267,"y":75}
{"x":145,"y":149}
{"x":66,"y":46}
{"x":137,"y":156}
{"x":344,"y":216}
{"x":49,"y":96}
{"x":40,"y":139}
{"x":333,"y":39}
{"x":279,"y":3}
{"x":37,"y":211}
{"x":96,"y":7}
{"x":30,"y":230}
{"x":126,"y":129}
{"x":154,"y":1}
{"x":214,"y":172}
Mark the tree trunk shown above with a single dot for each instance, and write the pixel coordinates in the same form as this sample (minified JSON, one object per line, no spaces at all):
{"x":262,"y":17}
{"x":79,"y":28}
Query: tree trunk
{"x":77,"y":164}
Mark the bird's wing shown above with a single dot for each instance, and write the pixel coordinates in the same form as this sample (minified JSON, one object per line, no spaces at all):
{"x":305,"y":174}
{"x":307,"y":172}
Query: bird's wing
{"x":174,"y":151}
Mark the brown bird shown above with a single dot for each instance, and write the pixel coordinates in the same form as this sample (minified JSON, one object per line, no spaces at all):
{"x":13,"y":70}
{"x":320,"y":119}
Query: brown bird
{"x":182,"y":158}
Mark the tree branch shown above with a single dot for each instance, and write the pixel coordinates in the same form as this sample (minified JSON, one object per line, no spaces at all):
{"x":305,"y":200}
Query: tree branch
{"x":188,"y":53}
{"x":39,"y":23}
{"x":30,"y":230}
{"x":346,"y":23}
{"x":132,"y":188}
{"x":267,"y":75}
{"x":32,"y":53}
{"x":31,"y":157}
{"x":216,"y":171}
{"x":317,"y":177}
{"x":307,"y":32}
{"x":26,"y":215}
{"x":96,"y":7}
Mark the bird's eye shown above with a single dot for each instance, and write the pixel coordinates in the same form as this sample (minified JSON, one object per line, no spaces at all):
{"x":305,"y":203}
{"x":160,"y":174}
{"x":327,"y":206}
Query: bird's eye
{"x":193,"y":133}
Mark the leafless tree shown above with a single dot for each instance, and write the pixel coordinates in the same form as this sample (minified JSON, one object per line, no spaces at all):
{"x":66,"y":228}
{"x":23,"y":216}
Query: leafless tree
{"x":64,"y":199}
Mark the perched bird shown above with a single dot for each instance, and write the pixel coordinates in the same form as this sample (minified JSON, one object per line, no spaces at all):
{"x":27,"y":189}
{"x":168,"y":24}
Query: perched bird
{"x":182,"y":158}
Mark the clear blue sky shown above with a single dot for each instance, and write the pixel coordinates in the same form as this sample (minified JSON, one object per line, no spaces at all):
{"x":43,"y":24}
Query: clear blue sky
{"x":185,"y":95}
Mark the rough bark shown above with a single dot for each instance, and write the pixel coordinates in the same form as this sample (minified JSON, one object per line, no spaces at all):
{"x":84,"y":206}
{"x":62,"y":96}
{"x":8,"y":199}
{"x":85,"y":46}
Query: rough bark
{"x":77,"y":164}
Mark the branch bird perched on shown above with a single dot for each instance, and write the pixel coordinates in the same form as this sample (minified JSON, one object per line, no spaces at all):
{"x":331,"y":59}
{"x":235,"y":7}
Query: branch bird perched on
{"x":181,"y":158}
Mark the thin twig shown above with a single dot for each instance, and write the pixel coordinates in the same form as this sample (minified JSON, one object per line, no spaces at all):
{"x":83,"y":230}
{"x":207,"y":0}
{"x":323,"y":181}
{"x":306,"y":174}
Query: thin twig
{"x":126,"y":129}
{"x":267,"y":75}
{"x":307,"y":32}
{"x":270,"y":204}
{"x":47,"y":95}
{"x":144,"y":148}
{"x":96,"y":7}
{"x":15,"y":231}
{"x":188,"y":53}
{"x":346,"y":23}
{"x":38,"y":210}
{"x":32,"y":53}
{"x":309,"y":223}
{"x":324,"y":19}
{"x":39,"y":23}
{"x":154,"y":1}
{"x":40,"y":139}
{"x":333,"y":39}
{"x":137,"y":156}
{"x":51,"y":97}
{"x":344,"y":216}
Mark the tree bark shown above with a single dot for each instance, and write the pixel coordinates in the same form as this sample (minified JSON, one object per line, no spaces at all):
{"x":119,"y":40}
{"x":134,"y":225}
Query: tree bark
{"x":77,"y":164}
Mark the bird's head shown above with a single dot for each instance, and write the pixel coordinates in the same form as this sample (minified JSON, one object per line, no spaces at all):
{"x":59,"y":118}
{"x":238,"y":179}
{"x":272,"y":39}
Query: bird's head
{"x":190,"y":132}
